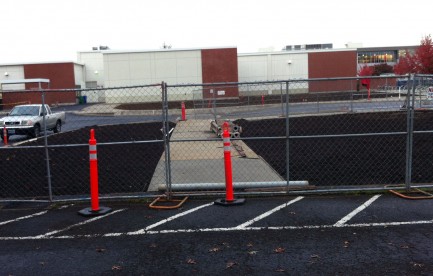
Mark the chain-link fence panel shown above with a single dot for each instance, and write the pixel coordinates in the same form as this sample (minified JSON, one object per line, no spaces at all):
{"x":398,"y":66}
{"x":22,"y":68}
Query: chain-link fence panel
{"x":423,"y":91}
{"x":328,"y":133}
{"x":340,"y":134}
{"x":422,"y":130}
{"x":23,"y":173}
{"x":295,"y":134}
{"x":55,"y":152}
{"x":196,"y":148}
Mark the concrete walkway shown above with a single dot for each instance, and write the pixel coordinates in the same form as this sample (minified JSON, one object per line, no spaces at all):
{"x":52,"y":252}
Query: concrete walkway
{"x":203,"y":161}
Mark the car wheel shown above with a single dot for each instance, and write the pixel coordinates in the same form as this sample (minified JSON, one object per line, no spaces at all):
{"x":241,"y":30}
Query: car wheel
{"x":58,"y":127}
{"x":36,"y":131}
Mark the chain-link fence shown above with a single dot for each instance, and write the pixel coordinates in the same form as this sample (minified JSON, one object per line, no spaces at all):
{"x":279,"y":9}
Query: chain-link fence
{"x":54,"y":163}
{"x":310,"y":135}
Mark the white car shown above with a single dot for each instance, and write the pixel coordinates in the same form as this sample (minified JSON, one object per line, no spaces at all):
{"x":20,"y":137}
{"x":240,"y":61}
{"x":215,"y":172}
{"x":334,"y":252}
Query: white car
{"x":29,"y":120}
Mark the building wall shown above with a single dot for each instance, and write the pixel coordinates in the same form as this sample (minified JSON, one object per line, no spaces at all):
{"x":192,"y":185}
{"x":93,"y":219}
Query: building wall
{"x":253,"y":68}
{"x":291,"y":66}
{"x":94,"y":68}
{"x":180,"y":66}
{"x":332,"y":64}
{"x":219,"y":65}
{"x":79,"y":76}
{"x":12,"y":98}
{"x":272,"y":66}
{"x":141,"y":68}
{"x":61,"y":76}
{"x":15,"y":72}
{"x":144,"y":68}
{"x":189,"y":66}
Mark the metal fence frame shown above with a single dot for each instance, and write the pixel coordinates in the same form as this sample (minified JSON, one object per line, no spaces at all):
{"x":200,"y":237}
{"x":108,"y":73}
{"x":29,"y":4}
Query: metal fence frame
{"x":167,"y":141}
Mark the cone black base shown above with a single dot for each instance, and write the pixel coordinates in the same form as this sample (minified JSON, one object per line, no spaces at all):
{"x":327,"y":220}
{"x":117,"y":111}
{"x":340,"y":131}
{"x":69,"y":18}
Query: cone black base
{"x":88,"y":212}
{"x":234,"y":202}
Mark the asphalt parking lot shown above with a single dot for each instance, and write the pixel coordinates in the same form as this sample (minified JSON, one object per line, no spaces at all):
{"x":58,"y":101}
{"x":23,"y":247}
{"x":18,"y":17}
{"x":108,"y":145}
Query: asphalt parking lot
{"x":332,"y":234}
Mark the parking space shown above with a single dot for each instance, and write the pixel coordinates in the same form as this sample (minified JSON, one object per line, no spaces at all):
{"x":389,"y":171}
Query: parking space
{"x":314,"y":211}
{"x":309,"y":235}
{"x":9,"y":216}
{"x":292,"y":212}
{"x":40,"y":222}
{"x":390,"y":209}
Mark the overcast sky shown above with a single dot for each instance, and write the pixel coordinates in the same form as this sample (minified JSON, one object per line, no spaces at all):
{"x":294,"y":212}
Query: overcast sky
{"x":53,"y":30}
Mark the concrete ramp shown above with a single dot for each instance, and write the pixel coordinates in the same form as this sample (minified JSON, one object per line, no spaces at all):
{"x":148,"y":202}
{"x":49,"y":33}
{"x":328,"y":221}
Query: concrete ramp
{"x":201,"y":162}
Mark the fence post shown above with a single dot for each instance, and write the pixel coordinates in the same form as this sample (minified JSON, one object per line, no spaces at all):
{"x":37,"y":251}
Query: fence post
{"x":287,"y":137}
{"x":282,"y":105}
{"x":95,"y":209}
{"x":47,"y":155}
{"x":229,"y":200}
{"x":410,"y":102}
{"x":166,"y":137}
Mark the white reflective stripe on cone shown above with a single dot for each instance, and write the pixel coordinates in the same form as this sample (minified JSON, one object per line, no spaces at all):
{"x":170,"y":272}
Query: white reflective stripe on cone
{"x":93,"y":156}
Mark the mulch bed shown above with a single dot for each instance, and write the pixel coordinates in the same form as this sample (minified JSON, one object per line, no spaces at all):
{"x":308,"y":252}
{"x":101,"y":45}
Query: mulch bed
{"x":128,"y":168}
{"x":123,"y":168}
{"x":333,"y":161}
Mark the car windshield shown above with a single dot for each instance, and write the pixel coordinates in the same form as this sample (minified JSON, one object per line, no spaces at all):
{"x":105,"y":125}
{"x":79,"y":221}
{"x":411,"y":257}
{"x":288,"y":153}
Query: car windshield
{"x":25,"y":110}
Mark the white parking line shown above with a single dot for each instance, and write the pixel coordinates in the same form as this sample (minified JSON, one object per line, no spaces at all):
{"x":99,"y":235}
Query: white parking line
{"x":79,"y":224}
{"x":25,"y":217}
{"x":342,"y":221}
{"x":66,"y":206}
{"x":355,"y":225}
{"x":142,"y":231}
{"x":230,"y":229}
{"x":149,"y":230}
{"x":49,"y":234}
{"x":268,"y":213}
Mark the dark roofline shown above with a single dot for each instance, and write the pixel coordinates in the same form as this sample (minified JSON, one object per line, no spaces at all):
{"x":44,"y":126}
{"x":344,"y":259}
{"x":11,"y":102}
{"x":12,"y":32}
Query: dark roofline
{"x":387,"y":48}
{"x":39,"y":63}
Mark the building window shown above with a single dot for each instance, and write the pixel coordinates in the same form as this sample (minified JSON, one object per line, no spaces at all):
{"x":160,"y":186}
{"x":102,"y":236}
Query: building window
{"x":377,"y":57}
{"x":91,"y":84}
